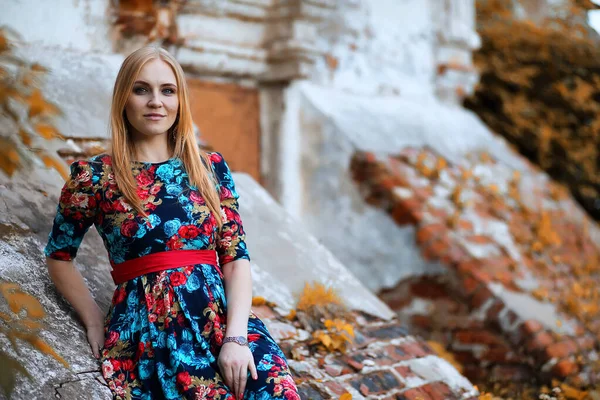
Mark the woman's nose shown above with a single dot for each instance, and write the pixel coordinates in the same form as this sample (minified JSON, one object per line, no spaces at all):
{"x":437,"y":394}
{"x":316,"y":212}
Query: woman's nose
{"x":155,"y":100}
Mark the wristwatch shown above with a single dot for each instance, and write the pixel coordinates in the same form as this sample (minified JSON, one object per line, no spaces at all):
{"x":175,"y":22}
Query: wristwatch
{"x":241,"y":340}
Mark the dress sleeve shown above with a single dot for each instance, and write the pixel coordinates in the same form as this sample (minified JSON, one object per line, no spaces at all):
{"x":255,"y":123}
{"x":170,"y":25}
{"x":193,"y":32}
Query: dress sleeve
{"x":75,"y":213}
{"x":231,"y":243}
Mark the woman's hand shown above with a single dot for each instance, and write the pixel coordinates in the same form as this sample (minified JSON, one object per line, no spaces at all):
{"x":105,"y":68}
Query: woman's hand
{"x":95,"y":337}
{"x":234,"y":362}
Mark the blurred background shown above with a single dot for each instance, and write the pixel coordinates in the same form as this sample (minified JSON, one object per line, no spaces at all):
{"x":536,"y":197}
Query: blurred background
{"x":442,"y":154}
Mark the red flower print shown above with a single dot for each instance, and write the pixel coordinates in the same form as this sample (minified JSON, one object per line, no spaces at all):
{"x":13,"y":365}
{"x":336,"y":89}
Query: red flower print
{"x":174,"y":243}
{"x":152,"y":317}
{"x":116,"y":366}
{"x":225,"y":193}
{"x":215,"y":158}
{"x":140,"y":351}
{"x":119,"y":296}
{"x":291,"y":395}
{"x":113,"y":336}
{"x":149,"y":301}
{"x":62,"y":255}
{"x":253,"y":337}
{"x":129,"y":228}
{"x":127,"y":365}
{"x":196,"y":197}
{"x":178,"y":278}
{"x":181,"y":319}
{"x":184,"y":380}
{"x":142,"y":193}
{"x":144,"y":178}
{"x":188,"y":231}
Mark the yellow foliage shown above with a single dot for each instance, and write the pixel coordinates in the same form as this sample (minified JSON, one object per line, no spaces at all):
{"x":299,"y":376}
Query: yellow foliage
{"x":18,"y":90}
{"x":346,"y":396}
{"x":336,"y":336}
{"x":291,"y":316}
{"x":23,"y":325}
{"x":19,"y":300}
{"x":570,"y":392}
{"x":317,"y":295}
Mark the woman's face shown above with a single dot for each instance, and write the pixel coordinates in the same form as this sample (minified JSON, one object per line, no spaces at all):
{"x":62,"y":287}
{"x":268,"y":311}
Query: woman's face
{"x":153,"y":102}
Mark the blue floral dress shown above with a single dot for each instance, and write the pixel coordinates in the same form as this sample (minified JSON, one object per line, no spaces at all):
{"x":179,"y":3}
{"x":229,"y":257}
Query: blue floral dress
{"x":164,"y":330}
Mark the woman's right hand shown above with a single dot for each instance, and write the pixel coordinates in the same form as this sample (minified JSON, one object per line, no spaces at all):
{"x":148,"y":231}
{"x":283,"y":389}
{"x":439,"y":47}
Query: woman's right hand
{"x":95,"y":337}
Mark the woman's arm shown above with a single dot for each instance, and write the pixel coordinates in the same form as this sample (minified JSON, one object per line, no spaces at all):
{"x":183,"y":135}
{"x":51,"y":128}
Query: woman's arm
{"x":238,"y":290}
{"x":72,"y":287}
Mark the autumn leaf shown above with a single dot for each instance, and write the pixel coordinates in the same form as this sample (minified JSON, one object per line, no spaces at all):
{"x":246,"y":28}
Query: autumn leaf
{"x":40,"y":106}
{"x":19,"y":300}
{"x":48,"y":131}
{"x":346,"y":396}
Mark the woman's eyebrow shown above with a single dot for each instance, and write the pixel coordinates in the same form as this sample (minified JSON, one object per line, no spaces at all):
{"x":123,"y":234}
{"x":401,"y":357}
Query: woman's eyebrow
{"x":147,"y":84}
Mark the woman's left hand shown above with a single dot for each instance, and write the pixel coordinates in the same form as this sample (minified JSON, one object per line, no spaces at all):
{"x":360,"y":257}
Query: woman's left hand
{"x":234,"y":362}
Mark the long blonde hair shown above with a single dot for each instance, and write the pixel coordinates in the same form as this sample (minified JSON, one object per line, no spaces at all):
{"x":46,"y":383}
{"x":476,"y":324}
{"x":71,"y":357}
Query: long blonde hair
{"x":181,"y":138}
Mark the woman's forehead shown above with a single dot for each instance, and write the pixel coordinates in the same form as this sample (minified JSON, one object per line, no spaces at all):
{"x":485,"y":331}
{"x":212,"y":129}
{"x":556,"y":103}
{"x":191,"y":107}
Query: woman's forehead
{"x":156,"y":72}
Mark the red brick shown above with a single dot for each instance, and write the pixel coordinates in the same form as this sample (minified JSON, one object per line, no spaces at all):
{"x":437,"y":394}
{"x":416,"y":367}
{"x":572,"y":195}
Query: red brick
{"x":479,"y":337}
{"x":531,"y":327}
{"x":470,"y":284}
{"x":494,"y":311}
{"x":421,"y":321}
{"x":406,"y":211}
{"x":415,"y":394}
{"x":415,"y":350}
{"x":562,"y":349}
{"x":398,"y":353}
{"x":357,"y":365}
{"x":439,"y":391}
{"x":405,"y":371}
{"x":333,"y":369}
{"x":335,"y":388}
{"x":498,"y":354}
{"x":465,"y":357}
{"x":479,"y":239}
{"x":479,"y":274}
{"x":454,"y":255}
{"x":480,"y":297}
{"x":437,"y":249}
{"x":540,"y":341}
{"x":264,"y":312}
{"x":429,"y":232}
{"x":428,"y":288}
{"x":465,"y":225}
{"x":564,"y":368}
{"x":375,"y":383}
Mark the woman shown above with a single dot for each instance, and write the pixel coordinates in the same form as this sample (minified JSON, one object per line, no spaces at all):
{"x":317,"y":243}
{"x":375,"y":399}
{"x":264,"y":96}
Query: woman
{"x":168,"y":215}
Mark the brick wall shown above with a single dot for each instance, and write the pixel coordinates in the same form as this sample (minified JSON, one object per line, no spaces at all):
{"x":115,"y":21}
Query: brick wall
{"x":520,"y":299}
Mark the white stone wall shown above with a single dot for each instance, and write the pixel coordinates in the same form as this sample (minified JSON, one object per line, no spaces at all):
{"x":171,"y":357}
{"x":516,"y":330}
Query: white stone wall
{"x":76,"y":25}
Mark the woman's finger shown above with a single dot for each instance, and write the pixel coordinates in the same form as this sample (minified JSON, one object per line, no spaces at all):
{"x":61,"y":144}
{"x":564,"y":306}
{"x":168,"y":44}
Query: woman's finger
{"x":243,"y":376}
{"x":236,"y":382}
{"x":252,"y":368}
{"x":228,"y":377}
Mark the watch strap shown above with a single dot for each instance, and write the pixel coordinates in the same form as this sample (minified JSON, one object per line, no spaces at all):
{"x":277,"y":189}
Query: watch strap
{"x":241,"y":340}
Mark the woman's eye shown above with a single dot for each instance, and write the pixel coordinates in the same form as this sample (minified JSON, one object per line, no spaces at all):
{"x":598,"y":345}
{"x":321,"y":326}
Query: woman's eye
{"x":139,"y":90}
{"x":169,"y":91}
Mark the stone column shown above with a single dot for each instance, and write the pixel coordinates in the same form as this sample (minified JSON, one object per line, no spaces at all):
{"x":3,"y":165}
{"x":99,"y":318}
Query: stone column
{"x":456,"y":39}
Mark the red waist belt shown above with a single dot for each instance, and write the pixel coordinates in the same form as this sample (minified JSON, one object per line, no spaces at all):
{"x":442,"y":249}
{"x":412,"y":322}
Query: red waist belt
{"x":161,"y":261}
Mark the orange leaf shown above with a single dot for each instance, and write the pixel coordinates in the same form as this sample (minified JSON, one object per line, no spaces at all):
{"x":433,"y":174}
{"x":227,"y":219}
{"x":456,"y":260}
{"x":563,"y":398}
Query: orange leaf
{"x":48,"y":131}
{"x":346,"y":396}
{"x":39,"y":106}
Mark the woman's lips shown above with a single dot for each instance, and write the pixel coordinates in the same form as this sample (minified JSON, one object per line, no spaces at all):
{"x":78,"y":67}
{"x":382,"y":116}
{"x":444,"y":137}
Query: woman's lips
{"x":154,"y":117}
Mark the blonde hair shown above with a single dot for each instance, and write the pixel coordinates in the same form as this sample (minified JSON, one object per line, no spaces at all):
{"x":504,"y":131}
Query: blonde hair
{"x":181,"y":138}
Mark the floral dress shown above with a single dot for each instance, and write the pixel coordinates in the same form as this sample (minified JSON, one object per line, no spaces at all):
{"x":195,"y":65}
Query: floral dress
{"x":164,"y":330}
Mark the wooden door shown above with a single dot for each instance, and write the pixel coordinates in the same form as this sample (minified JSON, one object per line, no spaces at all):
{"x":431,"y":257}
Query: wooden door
{"x":228,"y":117}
